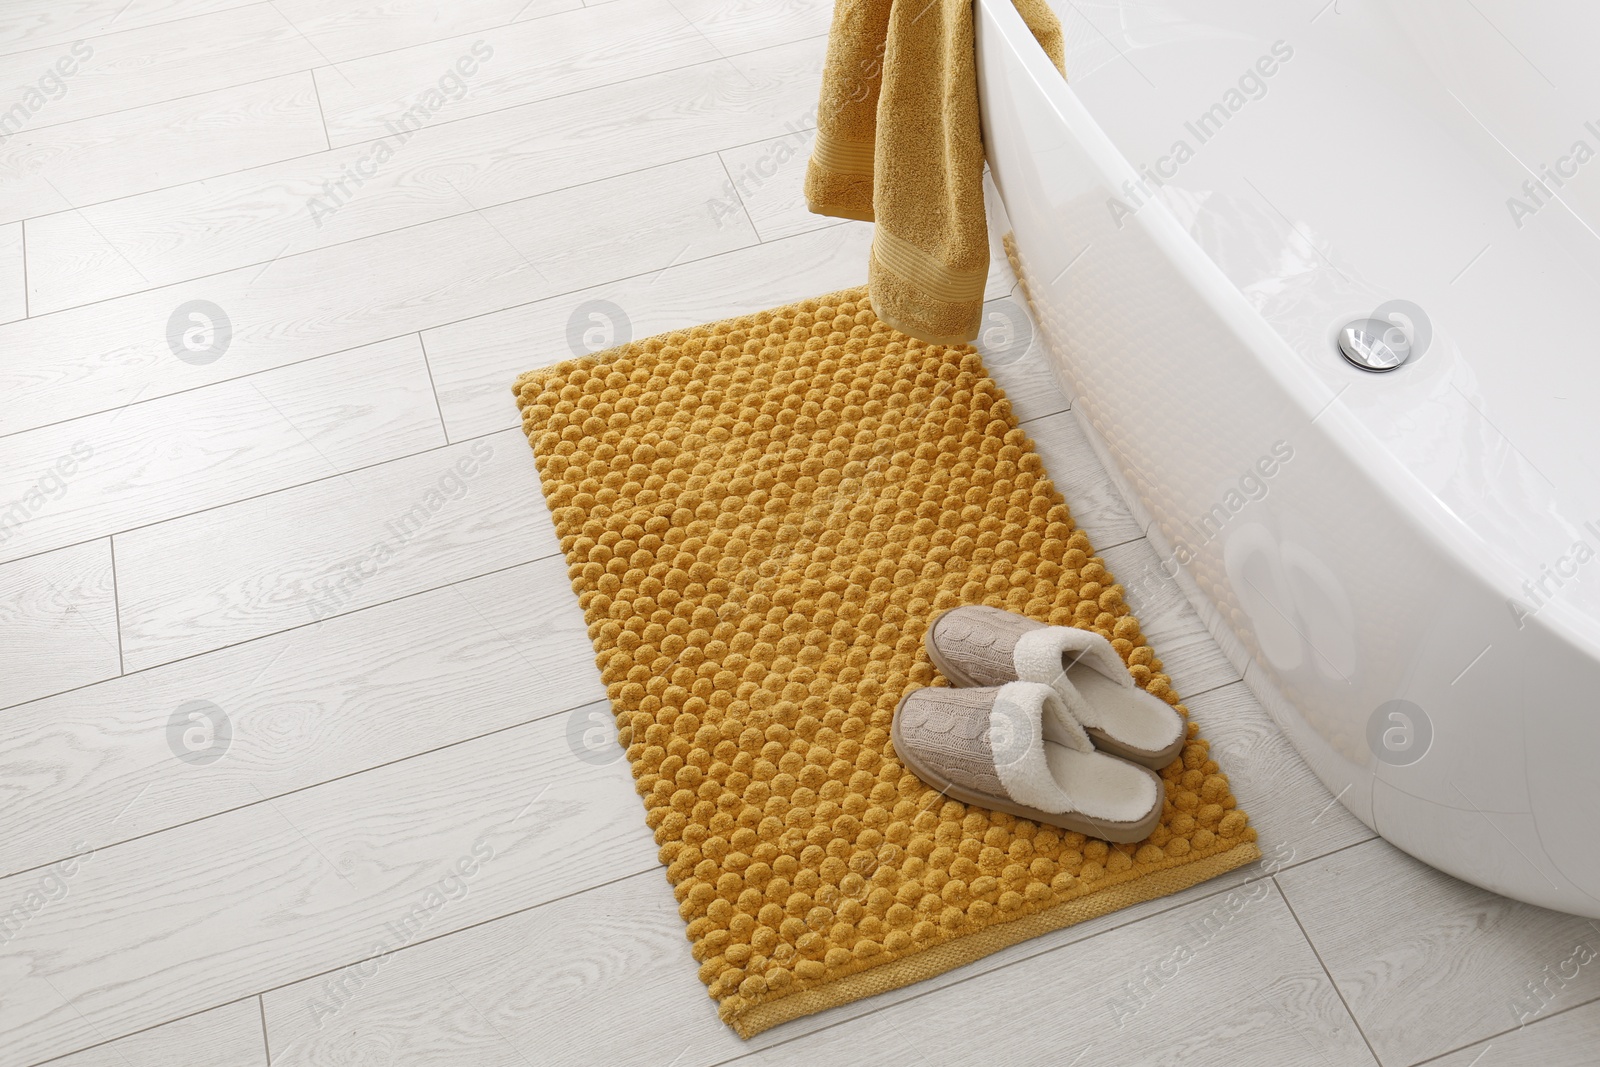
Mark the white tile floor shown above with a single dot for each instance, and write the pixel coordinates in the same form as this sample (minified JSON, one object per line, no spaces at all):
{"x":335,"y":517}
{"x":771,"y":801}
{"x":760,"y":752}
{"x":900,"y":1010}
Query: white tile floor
{"x":283,"y":631}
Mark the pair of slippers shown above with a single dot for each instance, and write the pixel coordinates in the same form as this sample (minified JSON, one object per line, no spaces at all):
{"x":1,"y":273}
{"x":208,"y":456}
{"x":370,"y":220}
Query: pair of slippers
{"x":1042,"y":722}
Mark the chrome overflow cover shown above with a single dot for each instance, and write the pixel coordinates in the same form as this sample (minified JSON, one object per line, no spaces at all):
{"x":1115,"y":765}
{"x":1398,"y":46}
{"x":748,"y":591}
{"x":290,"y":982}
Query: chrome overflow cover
{"x":1374,"y":344}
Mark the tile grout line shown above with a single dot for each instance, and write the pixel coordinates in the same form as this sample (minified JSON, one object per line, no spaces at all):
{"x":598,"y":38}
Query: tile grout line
{"x":399,"y":229}
{"x":472,"y":210}
{"x":265,"y":492}
{"x":193,"y":181}
{"x":266,"y":799}
{"x":437,"y":404}
{"x":437,"y":125}
{"x":924,"y":992}
{"x":1199,"y":898}
{"x":1120,"y":544}
{"x":1120,"y":926}
{"x":266,"y":1042}
{"x":744,"y":208}
{"x":1045,"y":415}
{"x":1322,"y":856}
{"x":837,"y":220}
{"x":436,"y":326}
{"x":168,"y":100}
{"x":276,"y":633}
{"x":642,"y":274}
{"x":1323,"y":964}
{"x":58,"y":1057}
{"x":1497,"y":1036}
{"x":261,"y":993}
{"x":434,"y":125}
{"x":116,"y":611}
{"x":263,"y":264}
{"x":655,"y":867}
{"x":268,"y":3}
{"x":130,"y":29}
{"x":322,"y":113}
{"x":1213,"y":688}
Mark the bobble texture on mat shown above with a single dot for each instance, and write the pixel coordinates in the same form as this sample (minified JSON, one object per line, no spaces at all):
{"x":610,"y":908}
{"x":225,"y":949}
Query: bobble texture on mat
{"x":760,"y":517}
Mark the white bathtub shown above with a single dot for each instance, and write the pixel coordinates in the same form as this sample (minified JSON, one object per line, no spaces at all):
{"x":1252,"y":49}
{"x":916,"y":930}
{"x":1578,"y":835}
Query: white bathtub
{"x":1402,"y":565}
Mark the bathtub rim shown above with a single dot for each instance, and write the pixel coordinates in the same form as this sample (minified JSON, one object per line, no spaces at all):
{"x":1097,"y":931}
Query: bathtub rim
{"x":1406,"y":494}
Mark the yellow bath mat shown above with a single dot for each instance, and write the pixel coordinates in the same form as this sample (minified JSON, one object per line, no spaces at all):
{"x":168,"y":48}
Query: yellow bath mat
{"x":760,"y":517}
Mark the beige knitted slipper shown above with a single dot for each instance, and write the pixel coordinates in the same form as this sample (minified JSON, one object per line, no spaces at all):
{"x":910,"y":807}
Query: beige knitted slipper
{"x":980,"y":645}
{"x":1016,"y":748}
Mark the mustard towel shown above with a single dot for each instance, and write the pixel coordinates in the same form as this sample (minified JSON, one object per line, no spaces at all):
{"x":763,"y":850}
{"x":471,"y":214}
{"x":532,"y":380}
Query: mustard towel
{"x":898,"y":144}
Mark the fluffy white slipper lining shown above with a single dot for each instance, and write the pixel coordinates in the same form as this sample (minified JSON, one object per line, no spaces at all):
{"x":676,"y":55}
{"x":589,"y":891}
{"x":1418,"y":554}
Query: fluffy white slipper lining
{"x":1045,"y":760}
{"x":1089,"y":676}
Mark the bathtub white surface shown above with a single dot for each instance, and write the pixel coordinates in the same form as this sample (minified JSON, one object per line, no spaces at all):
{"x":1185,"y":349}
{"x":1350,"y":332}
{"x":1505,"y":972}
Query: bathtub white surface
{"x":1368,"y":169}
{"x":1193,"y":322}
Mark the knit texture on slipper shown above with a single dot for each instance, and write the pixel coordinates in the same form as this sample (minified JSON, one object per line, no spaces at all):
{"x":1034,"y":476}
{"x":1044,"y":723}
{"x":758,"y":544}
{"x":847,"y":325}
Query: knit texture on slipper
{"x":760,"y":517}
